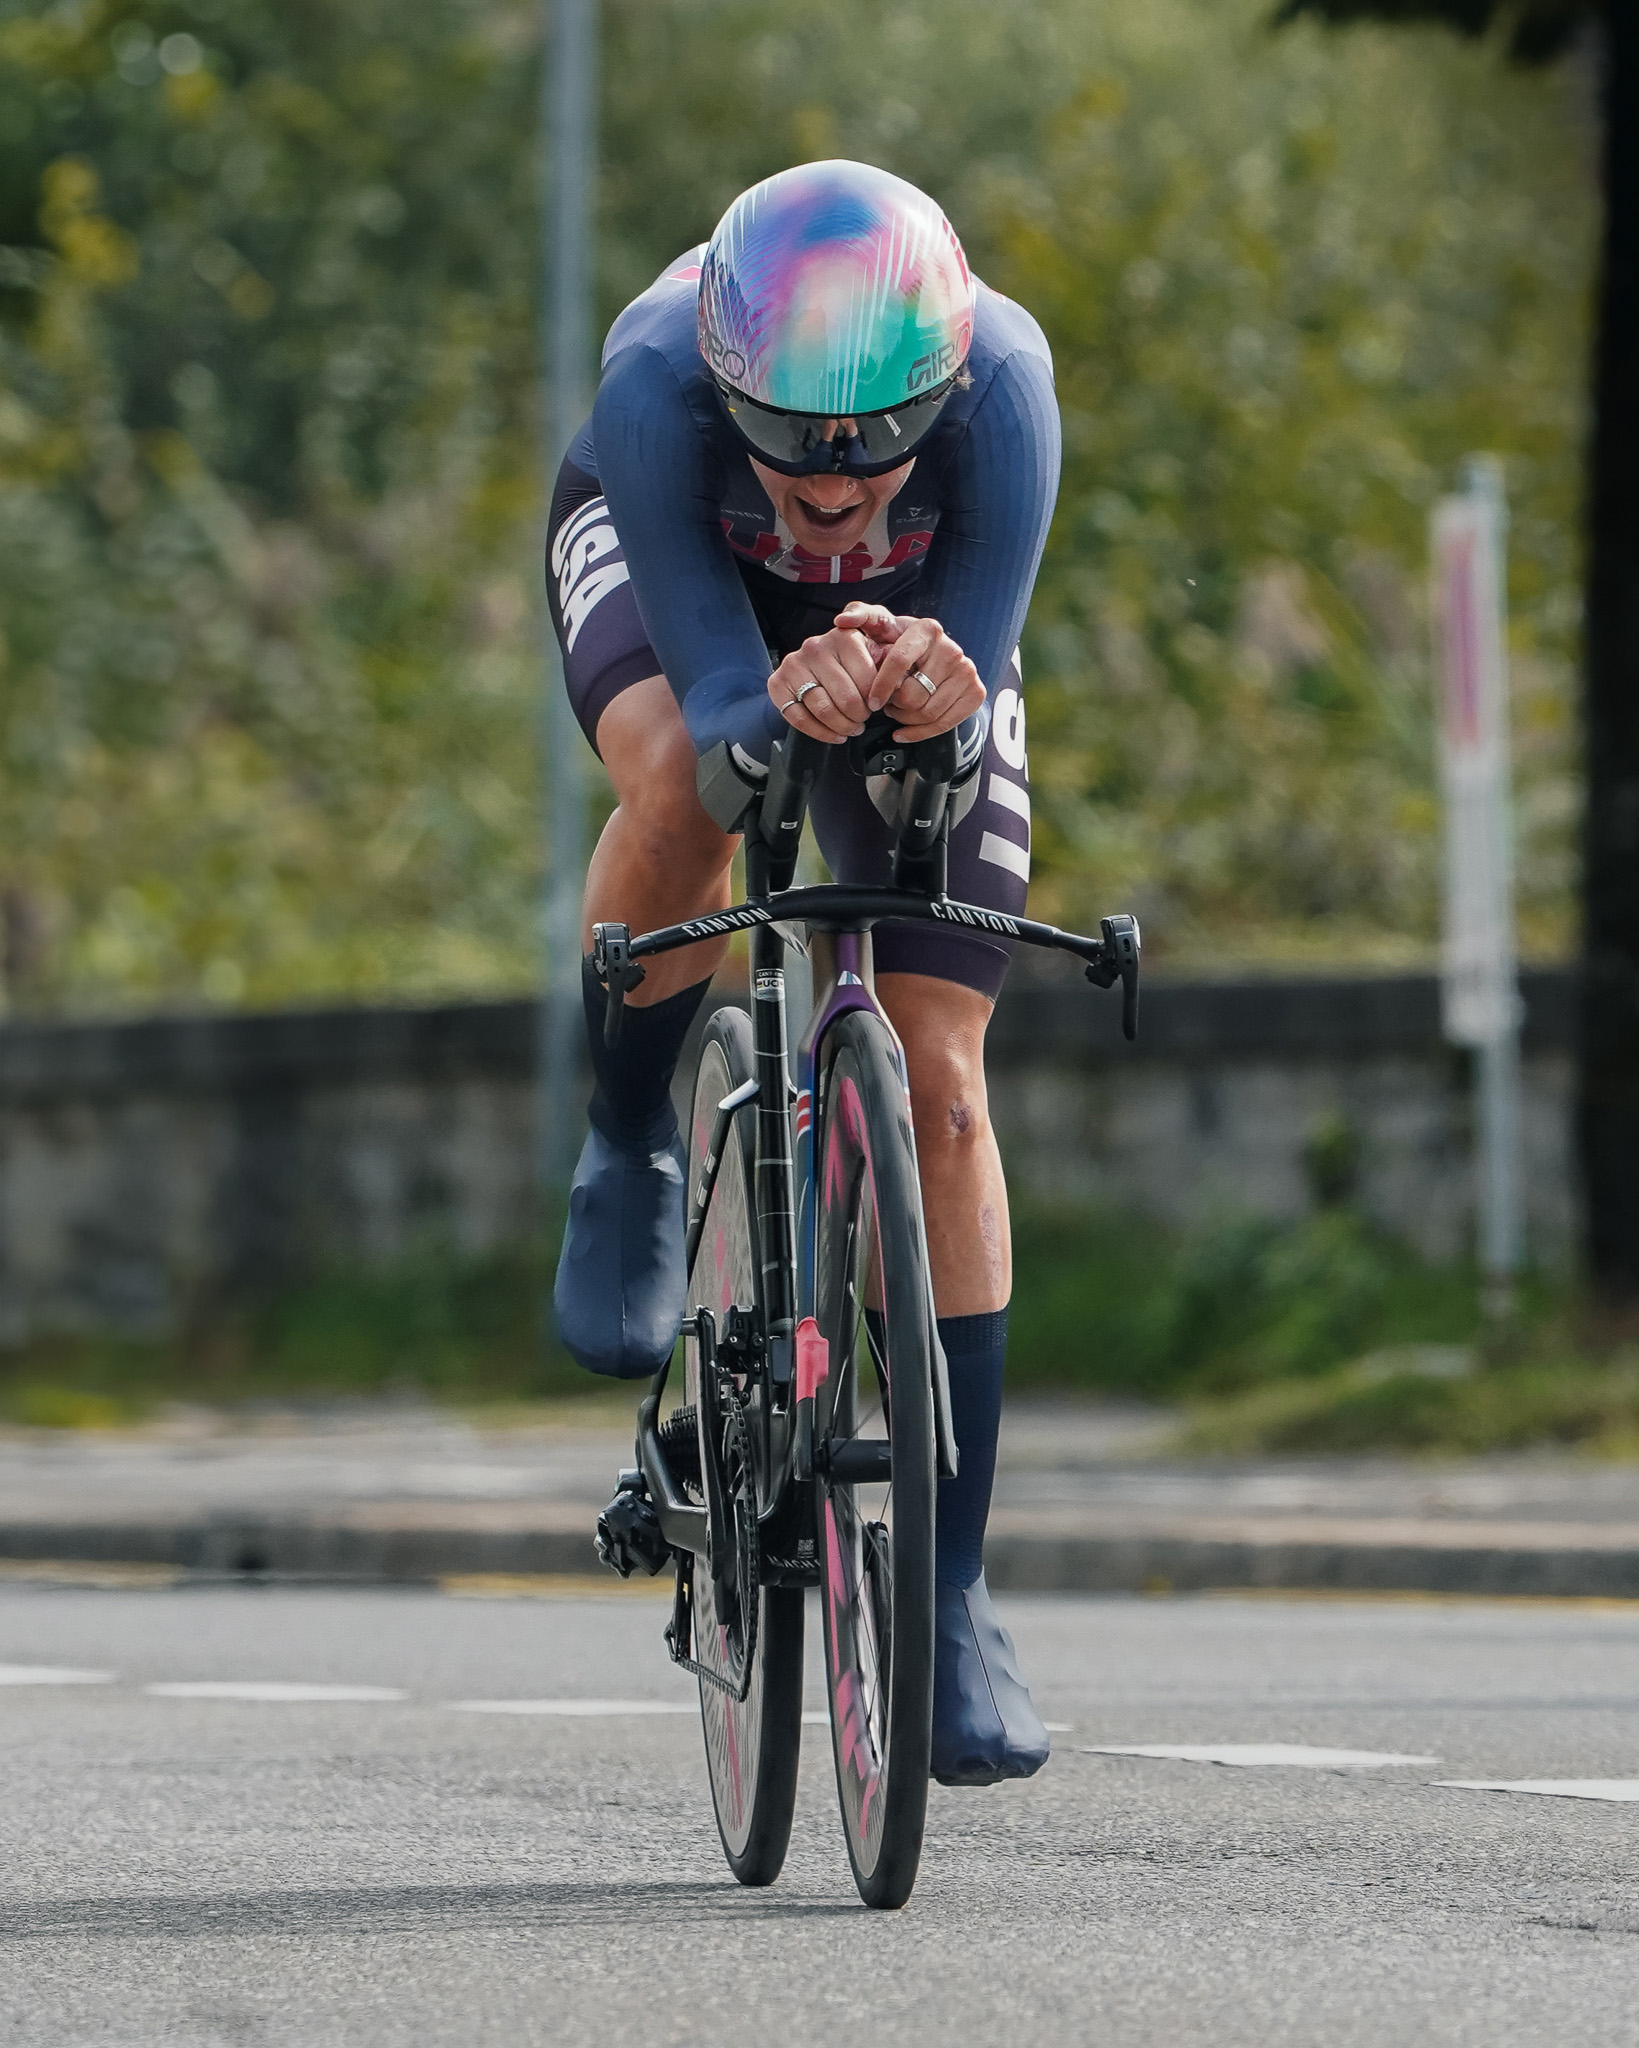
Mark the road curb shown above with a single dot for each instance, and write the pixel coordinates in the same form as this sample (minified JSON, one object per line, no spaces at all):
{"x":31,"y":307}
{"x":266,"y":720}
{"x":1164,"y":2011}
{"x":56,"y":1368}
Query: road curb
{"x":1161,"y":1563}
{"x":252,"y":1547}
{"x":1047,"y":1561}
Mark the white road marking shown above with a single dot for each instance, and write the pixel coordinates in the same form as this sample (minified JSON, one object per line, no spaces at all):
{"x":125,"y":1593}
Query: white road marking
{"x":576,"y":1709}
{"x":271,"y":1690}
{"x":51,"y":1674}
{"x":1292,"y":1755}
{"x":1059,"y":1727}
{"x":1622,"y":1789}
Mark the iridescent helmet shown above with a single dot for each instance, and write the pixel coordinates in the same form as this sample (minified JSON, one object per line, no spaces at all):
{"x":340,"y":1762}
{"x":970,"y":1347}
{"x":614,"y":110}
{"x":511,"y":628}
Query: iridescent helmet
{"x":835,"y":297}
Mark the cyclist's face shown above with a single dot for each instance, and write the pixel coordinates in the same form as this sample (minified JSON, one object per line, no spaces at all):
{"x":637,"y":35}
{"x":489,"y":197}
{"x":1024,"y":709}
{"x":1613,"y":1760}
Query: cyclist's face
{"x":829,"y":512}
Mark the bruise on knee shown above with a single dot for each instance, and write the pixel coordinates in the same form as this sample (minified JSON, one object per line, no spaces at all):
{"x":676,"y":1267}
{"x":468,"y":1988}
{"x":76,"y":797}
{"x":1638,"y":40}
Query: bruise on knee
{"x":961,"y":1119}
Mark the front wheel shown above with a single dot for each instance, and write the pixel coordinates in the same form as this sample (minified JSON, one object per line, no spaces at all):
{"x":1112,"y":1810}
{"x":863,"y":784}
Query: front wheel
{"x":873,"y":1430}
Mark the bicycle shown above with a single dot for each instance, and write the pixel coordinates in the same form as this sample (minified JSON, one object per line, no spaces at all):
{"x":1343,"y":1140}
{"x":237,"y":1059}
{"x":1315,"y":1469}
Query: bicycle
{"x":816,"y":1414}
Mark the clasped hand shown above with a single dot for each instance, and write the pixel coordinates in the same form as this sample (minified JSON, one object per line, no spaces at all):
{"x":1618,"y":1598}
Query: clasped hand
{"x":872,"y":659}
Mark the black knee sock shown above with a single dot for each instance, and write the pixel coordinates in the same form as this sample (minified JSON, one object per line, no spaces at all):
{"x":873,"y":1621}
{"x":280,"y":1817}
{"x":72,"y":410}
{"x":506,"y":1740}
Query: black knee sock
{"x":975,"y":1352}
{"x":631,"y":1103}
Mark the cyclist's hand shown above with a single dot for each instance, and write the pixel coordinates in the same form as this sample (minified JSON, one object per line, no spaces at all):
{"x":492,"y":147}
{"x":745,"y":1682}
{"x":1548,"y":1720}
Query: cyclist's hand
{"x":915,"y":654}
{"x":835,"y":676}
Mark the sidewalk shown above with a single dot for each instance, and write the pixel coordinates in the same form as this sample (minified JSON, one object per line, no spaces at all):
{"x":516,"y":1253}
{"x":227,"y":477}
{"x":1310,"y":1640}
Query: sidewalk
{"x":390,"y":1492}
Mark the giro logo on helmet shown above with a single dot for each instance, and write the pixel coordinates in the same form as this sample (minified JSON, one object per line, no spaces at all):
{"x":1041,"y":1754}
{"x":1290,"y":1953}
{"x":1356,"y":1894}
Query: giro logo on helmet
{"x":937,"y":366}
{"x":727,"y":362}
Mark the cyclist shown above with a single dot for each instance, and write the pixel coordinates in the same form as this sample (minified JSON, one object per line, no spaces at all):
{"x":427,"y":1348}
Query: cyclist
{"x":816,"y":483}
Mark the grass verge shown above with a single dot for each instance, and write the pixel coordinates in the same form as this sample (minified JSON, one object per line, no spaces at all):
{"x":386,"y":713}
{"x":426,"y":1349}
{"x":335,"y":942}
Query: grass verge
{"x":1315,"y":1336}
{"x":458,"y":1330}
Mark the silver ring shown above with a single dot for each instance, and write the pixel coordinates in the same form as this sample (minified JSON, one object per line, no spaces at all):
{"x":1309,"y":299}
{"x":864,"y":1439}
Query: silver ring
{"x":813,"y":683}
{"x":927,"y":683}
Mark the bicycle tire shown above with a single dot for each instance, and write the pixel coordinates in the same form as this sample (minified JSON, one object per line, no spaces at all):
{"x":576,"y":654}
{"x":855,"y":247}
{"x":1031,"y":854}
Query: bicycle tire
{"x":876,"y":1543}
{"x":752,"y":1745}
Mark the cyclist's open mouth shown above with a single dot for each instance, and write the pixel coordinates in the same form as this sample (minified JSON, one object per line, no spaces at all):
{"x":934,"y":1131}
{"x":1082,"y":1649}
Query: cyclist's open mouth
{"x":836,"y":515}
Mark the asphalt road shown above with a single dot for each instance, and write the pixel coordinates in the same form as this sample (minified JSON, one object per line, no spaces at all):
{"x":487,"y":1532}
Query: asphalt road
{"x":186,"y":1869}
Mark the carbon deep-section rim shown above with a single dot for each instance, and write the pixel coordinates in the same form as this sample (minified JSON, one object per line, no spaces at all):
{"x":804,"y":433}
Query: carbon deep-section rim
{"x":876,"y":1538}
{"x":752,"y":1745}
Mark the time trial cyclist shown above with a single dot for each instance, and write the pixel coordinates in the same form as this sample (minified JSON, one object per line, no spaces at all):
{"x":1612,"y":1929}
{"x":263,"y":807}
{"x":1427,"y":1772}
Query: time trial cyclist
{"x":816,"y":483}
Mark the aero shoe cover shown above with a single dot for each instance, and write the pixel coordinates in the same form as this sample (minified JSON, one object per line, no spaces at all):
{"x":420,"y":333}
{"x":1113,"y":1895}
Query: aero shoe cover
{"x":620,"y":1285}
{"x":984,"y":1725}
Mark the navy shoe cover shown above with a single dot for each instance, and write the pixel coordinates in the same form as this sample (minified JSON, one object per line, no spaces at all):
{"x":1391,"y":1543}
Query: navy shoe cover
{"x":984,"y":1725}
{"x":620,"y":1285}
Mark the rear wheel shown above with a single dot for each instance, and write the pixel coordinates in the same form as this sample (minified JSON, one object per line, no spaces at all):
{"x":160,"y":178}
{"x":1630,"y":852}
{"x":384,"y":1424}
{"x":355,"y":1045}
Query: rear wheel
{"x":873,"y":1431}
{"x":752,"y":1744}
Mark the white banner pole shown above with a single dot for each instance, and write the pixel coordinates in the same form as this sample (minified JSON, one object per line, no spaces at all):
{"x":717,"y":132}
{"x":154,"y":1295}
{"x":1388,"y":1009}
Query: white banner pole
{"x":1479,"y":971}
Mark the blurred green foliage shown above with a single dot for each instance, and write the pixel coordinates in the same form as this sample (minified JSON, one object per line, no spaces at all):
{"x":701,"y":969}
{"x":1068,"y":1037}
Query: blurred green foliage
{"x":1103,"y":1303}
{"x":439,"y":1325}
{"x":269,"y":486}
{"x":1556,"y":1398}
{"x":1114,"y":1304}
{"x":1319,"y":1335}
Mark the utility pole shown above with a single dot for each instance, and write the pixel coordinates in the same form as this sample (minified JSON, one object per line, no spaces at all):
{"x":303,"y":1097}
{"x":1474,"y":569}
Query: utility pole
{"x":569,"y":70}
{"x":1608,"y":1111}
{"x":1480,"y":976}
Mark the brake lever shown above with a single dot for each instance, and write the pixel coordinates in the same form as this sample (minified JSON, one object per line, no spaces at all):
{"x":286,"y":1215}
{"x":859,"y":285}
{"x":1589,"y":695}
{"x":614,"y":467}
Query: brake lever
{"x":614,"y":966}
{"x":1121,"y":951}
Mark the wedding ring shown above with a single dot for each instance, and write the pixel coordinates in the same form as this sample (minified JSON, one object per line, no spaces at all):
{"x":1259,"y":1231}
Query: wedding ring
{"x":927,"y":682}
{"x":811,"y":684}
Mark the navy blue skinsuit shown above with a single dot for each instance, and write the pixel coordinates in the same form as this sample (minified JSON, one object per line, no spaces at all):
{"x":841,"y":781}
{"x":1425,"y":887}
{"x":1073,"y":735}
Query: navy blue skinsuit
{"x":666,"y":557}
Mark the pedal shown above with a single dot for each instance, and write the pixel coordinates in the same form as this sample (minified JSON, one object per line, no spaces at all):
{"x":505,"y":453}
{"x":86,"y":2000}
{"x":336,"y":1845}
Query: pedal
{"x":629,"y":1536}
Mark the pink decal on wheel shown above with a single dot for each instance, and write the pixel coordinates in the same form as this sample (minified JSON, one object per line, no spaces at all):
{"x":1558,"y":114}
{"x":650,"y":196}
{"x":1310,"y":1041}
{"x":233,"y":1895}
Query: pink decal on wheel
{"x":731,"y":1730}
{"x":852,"y":1723}
{"x":847,"y":1114}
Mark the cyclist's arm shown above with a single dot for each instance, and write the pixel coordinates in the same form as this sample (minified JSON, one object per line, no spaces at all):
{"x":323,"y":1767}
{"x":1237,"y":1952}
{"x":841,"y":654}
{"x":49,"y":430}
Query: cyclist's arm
{"x":655,"y":465}
{"x":998,"y":504}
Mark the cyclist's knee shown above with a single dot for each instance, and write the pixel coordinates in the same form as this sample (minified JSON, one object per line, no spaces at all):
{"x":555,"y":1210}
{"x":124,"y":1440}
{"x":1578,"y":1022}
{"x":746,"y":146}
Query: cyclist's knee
{"x":948,"y":1098}
{"x":651,"y":761}
{"x":672,"y":830}
{"x":942,"y":1028}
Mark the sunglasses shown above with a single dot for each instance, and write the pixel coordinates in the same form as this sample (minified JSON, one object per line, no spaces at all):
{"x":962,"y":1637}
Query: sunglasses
{"x":808,"y":443}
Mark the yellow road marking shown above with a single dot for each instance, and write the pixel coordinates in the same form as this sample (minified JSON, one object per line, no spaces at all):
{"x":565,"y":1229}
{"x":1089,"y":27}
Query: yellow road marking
{"x":70,"y":1571}
{"x":1611,"y":1602}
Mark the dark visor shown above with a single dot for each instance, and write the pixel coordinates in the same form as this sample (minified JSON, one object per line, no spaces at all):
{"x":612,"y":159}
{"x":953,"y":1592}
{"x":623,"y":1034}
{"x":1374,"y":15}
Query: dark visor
{"x":803,"y":443}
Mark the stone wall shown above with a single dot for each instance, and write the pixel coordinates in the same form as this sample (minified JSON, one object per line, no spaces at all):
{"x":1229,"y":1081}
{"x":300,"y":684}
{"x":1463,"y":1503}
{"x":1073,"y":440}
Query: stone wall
{"x":149,"y":1168}
{"x":1219,"y":1105}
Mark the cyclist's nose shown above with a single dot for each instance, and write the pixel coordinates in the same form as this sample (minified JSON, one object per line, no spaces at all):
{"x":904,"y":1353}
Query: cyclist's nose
{"x":829,"y":489}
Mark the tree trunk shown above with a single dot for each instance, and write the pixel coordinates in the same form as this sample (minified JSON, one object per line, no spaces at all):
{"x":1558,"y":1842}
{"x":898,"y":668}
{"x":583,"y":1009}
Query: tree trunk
{"x":1609,"y":1098}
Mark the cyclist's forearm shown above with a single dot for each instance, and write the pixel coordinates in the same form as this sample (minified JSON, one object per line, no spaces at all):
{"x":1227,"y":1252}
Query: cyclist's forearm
{"x":982,"y":570}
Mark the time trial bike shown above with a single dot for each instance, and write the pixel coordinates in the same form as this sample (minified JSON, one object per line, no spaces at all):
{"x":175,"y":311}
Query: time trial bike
{"x":815,"y":1421}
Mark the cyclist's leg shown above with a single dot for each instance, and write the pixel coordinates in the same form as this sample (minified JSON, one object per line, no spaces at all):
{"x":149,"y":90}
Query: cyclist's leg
{"x":938,"y":987}
{"x":659,"y":859}
{"x":620,"y":1281}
